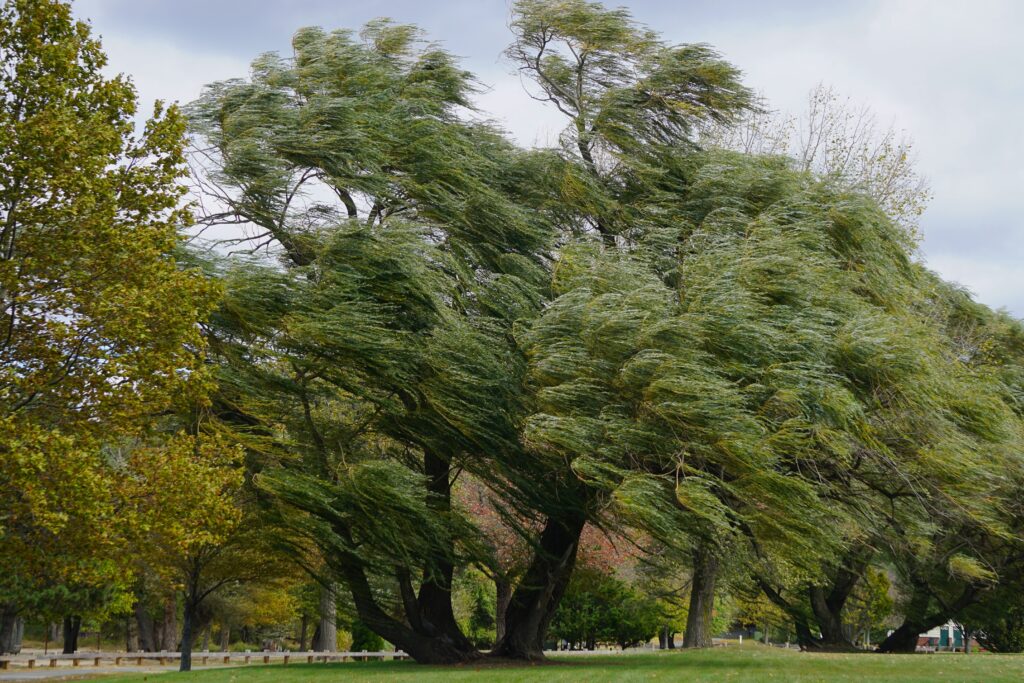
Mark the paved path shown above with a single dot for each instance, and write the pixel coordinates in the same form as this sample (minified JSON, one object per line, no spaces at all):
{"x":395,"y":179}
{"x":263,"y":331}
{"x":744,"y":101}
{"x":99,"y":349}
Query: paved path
{"x":84,"y":673}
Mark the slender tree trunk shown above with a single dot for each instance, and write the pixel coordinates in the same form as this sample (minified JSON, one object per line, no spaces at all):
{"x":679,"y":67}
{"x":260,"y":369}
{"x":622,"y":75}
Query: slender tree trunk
{"x":702,"y":598}
{"x":225,"y":637}
{"x":72,"y":627}
{"x":187,"y":628}
{"x":671,"y":639}
{"x":663,"y":638}
{"x":540,"y":590}
{"x":206,"y":637}
{"x":503,"y":590}
{"x":327,"y":631}
{"x":967,"y":634}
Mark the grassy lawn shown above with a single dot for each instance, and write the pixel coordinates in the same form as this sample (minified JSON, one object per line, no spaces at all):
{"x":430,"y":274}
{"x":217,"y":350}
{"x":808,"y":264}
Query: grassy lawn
{"x":748,"y":663}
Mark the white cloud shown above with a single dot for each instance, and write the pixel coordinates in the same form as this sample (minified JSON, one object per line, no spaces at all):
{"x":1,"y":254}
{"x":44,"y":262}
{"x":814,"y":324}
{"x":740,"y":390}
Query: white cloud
{"x":998,"y":285}
{"x":162,"y":70}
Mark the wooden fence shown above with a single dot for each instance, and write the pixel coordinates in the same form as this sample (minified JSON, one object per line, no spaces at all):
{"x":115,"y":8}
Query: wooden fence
{"x":31,"y":661}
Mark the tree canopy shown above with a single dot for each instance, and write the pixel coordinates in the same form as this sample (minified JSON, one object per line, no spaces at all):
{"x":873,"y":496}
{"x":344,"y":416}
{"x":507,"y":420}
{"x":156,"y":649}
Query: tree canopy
{"x":427,"y":359}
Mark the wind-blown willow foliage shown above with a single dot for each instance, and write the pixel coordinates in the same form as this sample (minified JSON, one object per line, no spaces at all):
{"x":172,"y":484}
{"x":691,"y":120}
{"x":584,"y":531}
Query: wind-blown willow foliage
{"x":383,"y":349}
{"x":626,"y":331}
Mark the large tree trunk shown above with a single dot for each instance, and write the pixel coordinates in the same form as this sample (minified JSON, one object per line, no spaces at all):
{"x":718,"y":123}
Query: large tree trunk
{"x":827,"y":607}
{"x":147,"y":636}
{"x":12,"y":627}
{"x":326,"y":636}
{"x":540,"y":590}
{"x":424,"y":648}
{"x":131,"y":635}
{"x":702,"y":598}
{"x":805,"y":638}
{"x":170,"y":625}
{"x":303,"y":632}
{"x":436,"y":614}
{"x":72,"y":627}
{"x":430,"y":634}
{"x":904,"y":639}
{"x":919,"y":618}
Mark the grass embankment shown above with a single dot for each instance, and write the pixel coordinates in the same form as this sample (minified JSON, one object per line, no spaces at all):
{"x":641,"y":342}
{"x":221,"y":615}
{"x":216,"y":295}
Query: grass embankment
{"x":747,"y":663}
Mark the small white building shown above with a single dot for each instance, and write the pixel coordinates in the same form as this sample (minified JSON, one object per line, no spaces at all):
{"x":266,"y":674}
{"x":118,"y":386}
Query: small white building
{"x":946,"y":637}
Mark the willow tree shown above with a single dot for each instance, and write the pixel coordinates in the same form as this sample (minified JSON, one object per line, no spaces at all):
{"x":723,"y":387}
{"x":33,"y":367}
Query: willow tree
{"x":719,"y":399}
{"x":857,"y":389}
{"x":633,"y":105}
{"x":967,"y":553}
{"x":630,"y":99}
{"x":437,"y":240}
{"x":935,"y":494}
{"x":383,"y":345}
{"x":99,"y":322}
{"x":928,"y":492}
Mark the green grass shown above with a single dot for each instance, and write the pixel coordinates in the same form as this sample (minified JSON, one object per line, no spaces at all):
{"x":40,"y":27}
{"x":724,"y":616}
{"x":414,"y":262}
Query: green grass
{"x":748,"y":663}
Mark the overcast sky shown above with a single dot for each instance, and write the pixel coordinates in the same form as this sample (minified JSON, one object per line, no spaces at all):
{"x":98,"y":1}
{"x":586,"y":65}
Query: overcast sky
{"x":946,"y":71}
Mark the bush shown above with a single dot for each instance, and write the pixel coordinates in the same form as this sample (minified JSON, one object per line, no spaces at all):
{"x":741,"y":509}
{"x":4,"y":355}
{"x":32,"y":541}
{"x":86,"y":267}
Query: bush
{"x":598,"y":608}
{"x":1004,"y":633}
{"x":365,"y":639}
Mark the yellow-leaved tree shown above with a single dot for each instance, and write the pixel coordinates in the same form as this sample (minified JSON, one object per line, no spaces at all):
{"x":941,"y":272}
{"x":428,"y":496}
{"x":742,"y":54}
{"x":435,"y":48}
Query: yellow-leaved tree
{"x":98,"y":322}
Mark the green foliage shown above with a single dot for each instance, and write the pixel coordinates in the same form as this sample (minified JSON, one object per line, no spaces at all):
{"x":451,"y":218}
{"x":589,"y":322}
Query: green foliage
{"x":871,"y":604}
{"x":364,"y":639}
{"x":475,"y":607}
{"x":598,"y":608}
{"x":748,"y":354}
{"x":100,"y":321}
{"x":997,"y":621}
